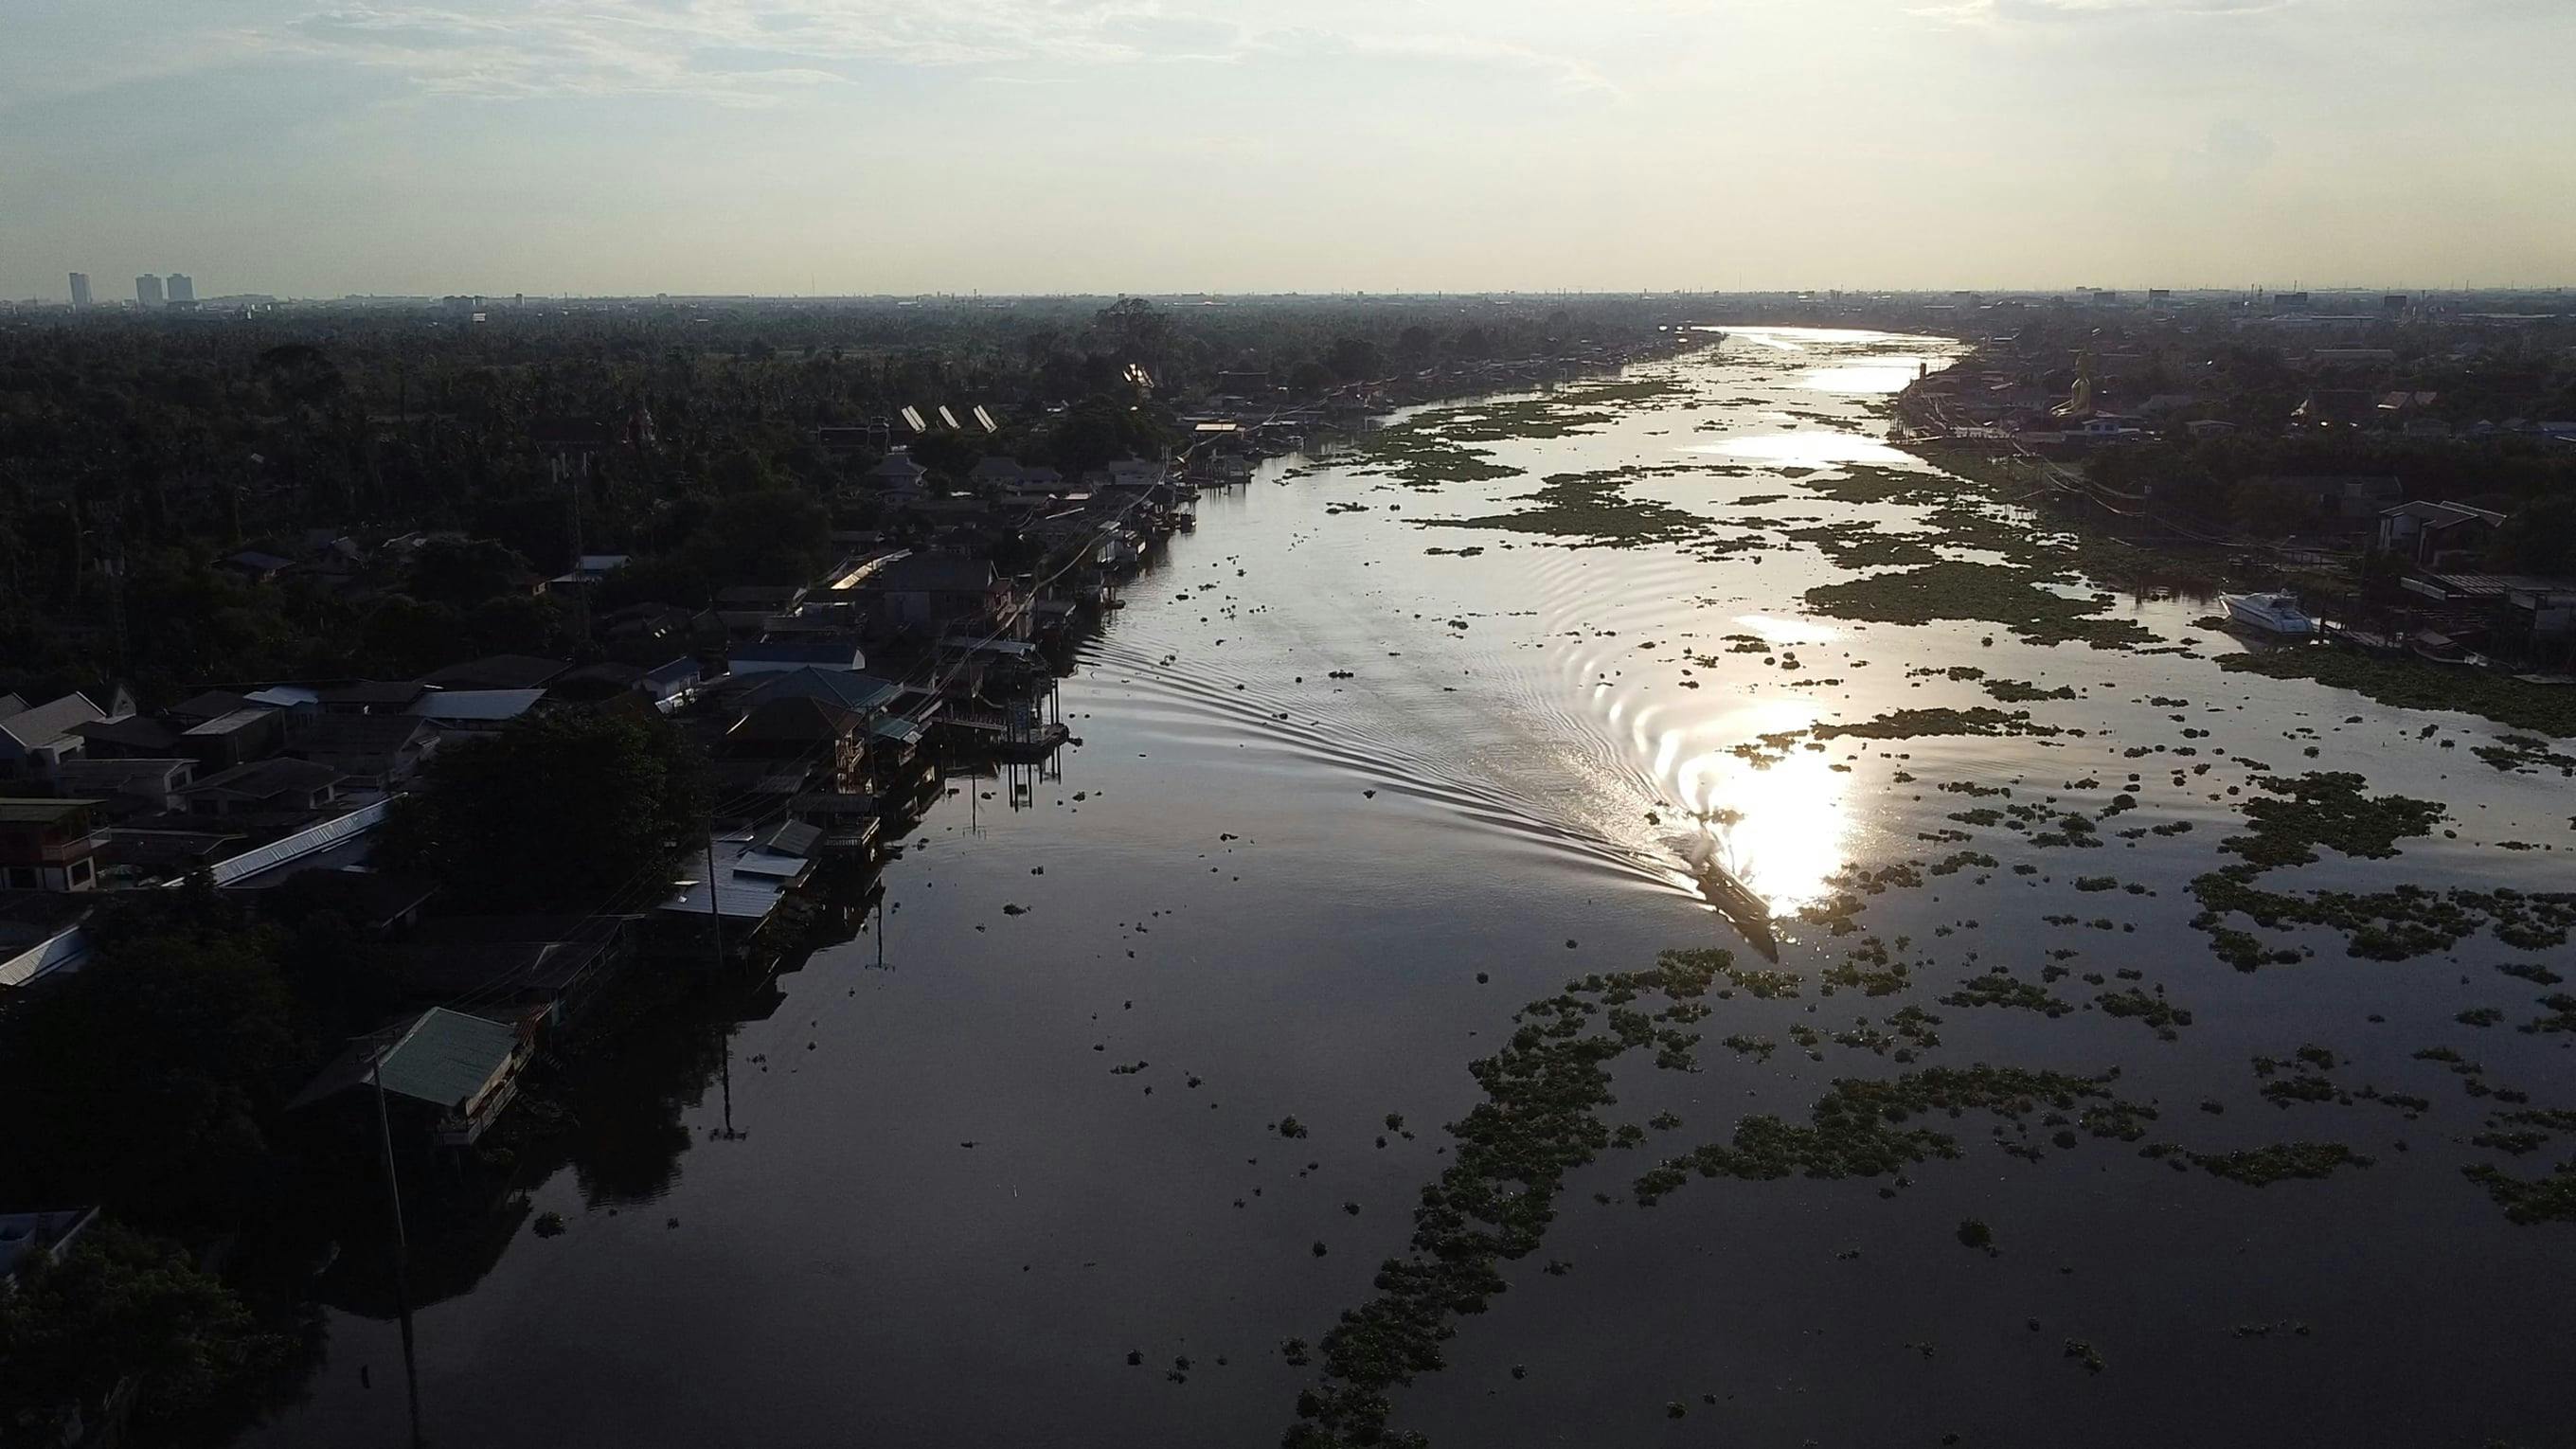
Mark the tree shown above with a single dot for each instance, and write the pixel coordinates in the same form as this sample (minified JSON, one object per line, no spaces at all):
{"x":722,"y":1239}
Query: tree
{"x":403,"y":638}
{"x":774,"y":536}
{"x":1102,"y":429}
{"x":564,"y":809}
{"x":1134,"y":330}
{"x":149,"y":1079}
{"x":461,"y":575}
{"x":1356,"y":359}
{"x":121,"y":1305}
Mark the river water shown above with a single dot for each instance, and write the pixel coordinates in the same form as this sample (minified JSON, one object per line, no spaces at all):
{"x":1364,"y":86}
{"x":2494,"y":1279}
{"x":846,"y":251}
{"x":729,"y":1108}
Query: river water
{"x":913,"y":1203}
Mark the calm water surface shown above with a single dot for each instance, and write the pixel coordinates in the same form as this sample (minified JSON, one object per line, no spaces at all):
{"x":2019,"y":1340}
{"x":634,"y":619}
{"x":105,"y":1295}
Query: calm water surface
{"x":941,"y":1218}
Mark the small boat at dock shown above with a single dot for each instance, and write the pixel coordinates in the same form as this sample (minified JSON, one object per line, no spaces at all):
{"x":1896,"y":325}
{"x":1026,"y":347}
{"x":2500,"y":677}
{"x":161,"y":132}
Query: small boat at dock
{"x":2272,"y":613}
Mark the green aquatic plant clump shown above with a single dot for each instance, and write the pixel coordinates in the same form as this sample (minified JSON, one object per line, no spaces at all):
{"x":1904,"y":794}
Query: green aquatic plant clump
{"x":1858,"y":1128}
{"x":2550,"y":1199}
{"x":1991,"y":593}
{"x":2334,"y":809}
{"x":1910,"y":724}
{"x":2263,"y":1166}
{"x":1541,"y":1118}
{"x":2541,"y":709}
{"x":1544,"y":1091}
{"x":1590,"y":511}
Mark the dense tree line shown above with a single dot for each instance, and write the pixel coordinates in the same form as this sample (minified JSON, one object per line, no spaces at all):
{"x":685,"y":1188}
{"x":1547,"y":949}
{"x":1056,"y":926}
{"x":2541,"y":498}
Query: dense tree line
{"x":135,"y":452}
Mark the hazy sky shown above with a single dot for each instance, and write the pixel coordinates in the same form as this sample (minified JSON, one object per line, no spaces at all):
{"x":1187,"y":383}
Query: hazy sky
{"x":312,"y":148}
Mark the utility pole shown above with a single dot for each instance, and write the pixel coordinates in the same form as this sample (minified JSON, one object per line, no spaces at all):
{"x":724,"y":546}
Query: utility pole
{"x":715,"y":916}
{"x":402,"y":1245}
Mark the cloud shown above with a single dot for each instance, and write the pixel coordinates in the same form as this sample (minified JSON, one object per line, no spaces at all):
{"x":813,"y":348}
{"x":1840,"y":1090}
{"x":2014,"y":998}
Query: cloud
{"x":739,"y":52}
{"x":753,"y":52}
{"x":2231,"y":150}
{"x":1999,"y":14}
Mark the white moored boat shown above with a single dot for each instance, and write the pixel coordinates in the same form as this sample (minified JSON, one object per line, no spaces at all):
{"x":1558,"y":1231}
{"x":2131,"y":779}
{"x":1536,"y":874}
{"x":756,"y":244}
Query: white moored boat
{"x":2274,"y":613}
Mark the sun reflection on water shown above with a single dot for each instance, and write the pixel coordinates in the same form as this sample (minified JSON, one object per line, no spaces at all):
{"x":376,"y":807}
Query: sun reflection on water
{"x":1778,"y":825}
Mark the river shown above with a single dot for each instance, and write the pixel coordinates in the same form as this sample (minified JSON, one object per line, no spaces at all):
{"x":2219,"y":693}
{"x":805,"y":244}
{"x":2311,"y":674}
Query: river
{"x":1342,"y":805}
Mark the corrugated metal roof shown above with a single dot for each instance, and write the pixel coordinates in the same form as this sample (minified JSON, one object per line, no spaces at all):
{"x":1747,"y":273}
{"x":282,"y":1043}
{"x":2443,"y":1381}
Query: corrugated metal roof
{"x":47,"y":723}
{"x":477,"y":704}
{"x":64,"y":951}
{"x":447,"y":1058}
{"x":794,"y":838}
{"x":32,"y":811}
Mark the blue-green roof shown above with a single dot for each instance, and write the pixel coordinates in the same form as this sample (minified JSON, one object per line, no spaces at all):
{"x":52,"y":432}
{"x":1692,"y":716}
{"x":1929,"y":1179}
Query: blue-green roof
{"x":448,"y":1057}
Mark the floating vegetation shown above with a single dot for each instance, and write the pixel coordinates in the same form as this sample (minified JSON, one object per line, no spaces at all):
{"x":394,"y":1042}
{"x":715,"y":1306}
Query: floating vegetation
{"x":2542,"y":709}
{"x":1863,"y":545}
{"x":1870,"y":483}
{"x":2017,"y":691}
{"x":2332,"y":810}
{"x":1908,"y":724}
{"x":2085,"y":1354}
{"x":1759,"y":1048}
{"x":1991,"y":593}
{"x":1589,"y":510}
{"x":2561,"y":1017}
{"x":1544,"y":1091}
{"x":1854,"y":1131}
{"x":2328,"y":809}
{"x":2550,"y":1199}
{"x":2263,"y":1166}
{"x":2000,"y":987}
{"x":1419,"y":456}
{"x":2154,"y":1010}
{"x":1539,"y":1121}
{"x":2523,"y":754}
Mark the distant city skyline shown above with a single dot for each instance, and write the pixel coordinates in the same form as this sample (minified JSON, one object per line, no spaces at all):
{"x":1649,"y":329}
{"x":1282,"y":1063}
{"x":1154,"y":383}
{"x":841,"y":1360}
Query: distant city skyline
{"x":778,"y":147}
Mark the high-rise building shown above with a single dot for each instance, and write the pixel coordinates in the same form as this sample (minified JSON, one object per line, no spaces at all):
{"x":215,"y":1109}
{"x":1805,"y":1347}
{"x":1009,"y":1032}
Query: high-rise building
{"x":80,"y":289}
{"x":147,"y":290}
{"x":183,"y":288}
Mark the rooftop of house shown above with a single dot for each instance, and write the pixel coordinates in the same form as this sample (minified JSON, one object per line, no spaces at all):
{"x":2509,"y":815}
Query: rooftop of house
{"x":794,"y":718}
{"x":134,"y":732}
{"x":21,"y":810}
{"x":351,"y":734}
{"x":461,"y":706}
{"x":264,"y":780}
{"x":760,"y":596}
{"x":933,"y":573}
{"x":148,"y":776}
{"x":241,"y":719}
{"x":372,"y":694}
{"x":2442,"y":515}
{"x":499,"y":671}
{"x":25,"y":1236}
{"x":50,"y":723}
{"x":836,"y":655}
{"x":441,"y":1057}
{"x":844,"y":687}
{"x":212,"y":704}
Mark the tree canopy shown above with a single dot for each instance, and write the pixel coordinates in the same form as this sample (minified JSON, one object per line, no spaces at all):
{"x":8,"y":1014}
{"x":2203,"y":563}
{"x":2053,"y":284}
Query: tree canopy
{"x":123,"y":1304}
{"x":560,"y":809}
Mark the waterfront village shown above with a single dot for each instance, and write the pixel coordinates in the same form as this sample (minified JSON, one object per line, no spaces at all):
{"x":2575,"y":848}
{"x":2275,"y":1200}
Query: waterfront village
{"x":613,"y":775}
{"x":505,"y":857}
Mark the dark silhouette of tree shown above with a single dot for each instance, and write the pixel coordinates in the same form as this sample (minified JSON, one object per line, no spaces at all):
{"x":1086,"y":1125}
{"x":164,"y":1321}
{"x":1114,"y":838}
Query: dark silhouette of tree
{"x":562,"y":809}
